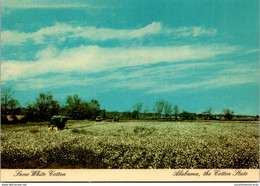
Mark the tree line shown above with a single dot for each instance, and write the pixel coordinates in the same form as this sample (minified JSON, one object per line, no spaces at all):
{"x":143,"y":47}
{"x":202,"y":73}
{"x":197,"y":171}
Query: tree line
{"x":164,"y":110}
{"x":45,"y":106}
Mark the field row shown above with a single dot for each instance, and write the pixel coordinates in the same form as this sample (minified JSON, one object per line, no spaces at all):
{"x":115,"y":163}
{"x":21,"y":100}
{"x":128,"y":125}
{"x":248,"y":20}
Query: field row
{"x":175,"y":145}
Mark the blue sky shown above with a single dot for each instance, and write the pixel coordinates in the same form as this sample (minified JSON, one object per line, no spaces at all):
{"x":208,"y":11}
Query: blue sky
{"x":194,"y":54}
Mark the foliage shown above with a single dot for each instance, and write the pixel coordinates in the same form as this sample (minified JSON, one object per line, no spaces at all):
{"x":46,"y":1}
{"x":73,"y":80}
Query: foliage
{"x":135,"y":114}
{"x":127,"y":115}
{"x":78,"y":109}
{"x":176,"y":112}
{"x":132,"y":145}
{"x":137,"y":110}
{"x":9,"y":105}
{"x":95,"y":108}
{"x":31,"y":113}
{"x":188,"y":116}
{"x":46,"y":106}
{"x":167,"y":109}
{"x":208,"y":113}
{"x":228,"y":114}
{"x":43,"y":109}
{"x":111,"y":115}
{"x":158,"y":108}
{"x":103,"y":114}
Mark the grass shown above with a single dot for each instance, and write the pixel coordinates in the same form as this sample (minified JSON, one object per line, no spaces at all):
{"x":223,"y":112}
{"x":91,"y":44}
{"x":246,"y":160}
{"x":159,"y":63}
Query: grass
{"x":132,"y":145}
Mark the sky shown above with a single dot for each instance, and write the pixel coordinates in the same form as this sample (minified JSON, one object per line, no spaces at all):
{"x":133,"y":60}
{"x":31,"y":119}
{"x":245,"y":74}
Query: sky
{"x":192,"y":53}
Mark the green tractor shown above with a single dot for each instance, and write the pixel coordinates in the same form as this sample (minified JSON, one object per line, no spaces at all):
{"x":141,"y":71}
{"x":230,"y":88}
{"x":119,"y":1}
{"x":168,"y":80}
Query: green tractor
{"x":57,"y":123}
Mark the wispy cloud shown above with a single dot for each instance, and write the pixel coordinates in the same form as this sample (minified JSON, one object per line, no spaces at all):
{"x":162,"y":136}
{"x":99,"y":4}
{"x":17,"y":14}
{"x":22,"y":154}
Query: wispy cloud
{"x":54,"y":81}
{"x":152,"y":79}
{"x":132,"y":78}
{"x":60,"y":32}
{"x":106,"y":33}
{"x":239,"y":75}
{"x":253,"y":51}
{"x":92,"y":59}
{"x":192,"y":31}
{"x":216,"y":82}
{"x":14,"y":37}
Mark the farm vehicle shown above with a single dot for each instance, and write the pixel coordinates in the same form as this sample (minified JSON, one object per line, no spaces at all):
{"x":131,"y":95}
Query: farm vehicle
{"x":99,"y":118}
{"x":57,"y":123}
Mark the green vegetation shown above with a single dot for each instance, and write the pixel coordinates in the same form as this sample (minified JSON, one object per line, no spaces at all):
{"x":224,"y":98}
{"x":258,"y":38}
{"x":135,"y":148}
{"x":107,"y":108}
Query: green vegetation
{"x":75,"y":108}
{"x":43,"y":108}
{"x":154,"y":143}
{"x":137,"y":110}
{"x":9,"y":105}
{"x":228,"y":114}
{"x":176,"y":145}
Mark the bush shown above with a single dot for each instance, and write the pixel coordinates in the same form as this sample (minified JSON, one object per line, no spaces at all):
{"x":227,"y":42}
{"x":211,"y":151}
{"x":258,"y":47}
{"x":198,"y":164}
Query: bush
{"x":188,"y":116}
{"x":228,"y":114}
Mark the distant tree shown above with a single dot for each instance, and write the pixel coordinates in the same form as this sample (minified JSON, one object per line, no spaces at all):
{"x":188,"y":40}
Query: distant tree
{"x":208,"y":113}
{"x":14,"y":109}
{"x":158,"y":108}
{"x":94,"y":104}
{"x":127,"y":115}
{"x":146,"y":111}
{"x":135,"y":115}
{"x":43,"y":109}
{"x":228,"y":114}
{"x":47,"y":106}
{"x":103,"y":114}
{"x":8,"y":104}
{"x":188,"y":116}
{"x":176,"y":112}
{"x":112,"y":114}
{"x":86,"y":112}
{"x":167,"y":109}
{"x":31,"y":113}
{"x":6,"y":96}
{"x":78,"y":109}
{"x":137,"y":110}
{"x":95,"y":108}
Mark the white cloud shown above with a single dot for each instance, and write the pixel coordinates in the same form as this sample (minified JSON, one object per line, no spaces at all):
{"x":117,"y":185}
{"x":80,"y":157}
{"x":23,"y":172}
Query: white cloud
{"x":60,"y":31}
{"x":136,"y":78}
{"x":233,"y":75}
{"x":17,"y":38}
{"x":14,"y":37}
{"x":91,"y":59}
{"x":102,"y":34}
{"x":57,"y":81}
{"x":175,"y":77}
{"x":241,"y":69}
{"x":253,"y":51}
{"x":153,"y":79}
{"x":47,"y":53}
{"x":191,"y":31}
